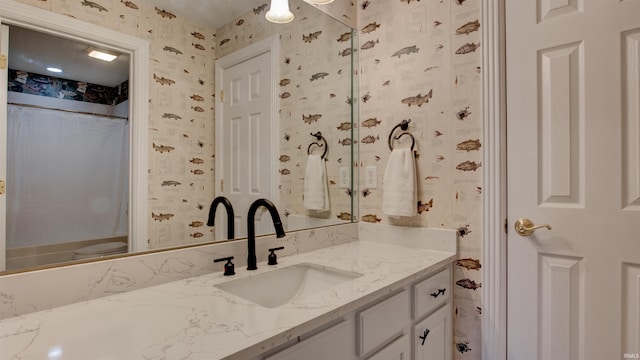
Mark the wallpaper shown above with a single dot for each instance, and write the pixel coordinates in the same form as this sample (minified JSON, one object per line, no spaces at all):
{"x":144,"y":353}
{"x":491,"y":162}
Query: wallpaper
{"x":51,"y":86}
{"x":421,"y":60}
{"x":315,"y":96}
{"x":342,"y":10}
{"x":181,"y":131}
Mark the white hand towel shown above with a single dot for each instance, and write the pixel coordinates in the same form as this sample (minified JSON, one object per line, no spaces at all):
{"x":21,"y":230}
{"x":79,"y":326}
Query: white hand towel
{"x":316,"y":188}
{"x":399,"y":192}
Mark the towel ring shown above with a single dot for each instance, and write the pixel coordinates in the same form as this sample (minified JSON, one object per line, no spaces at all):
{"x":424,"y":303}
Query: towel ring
{"x":319,"y":136}
{"x":404,"y":125}
{"x":413,"y":140}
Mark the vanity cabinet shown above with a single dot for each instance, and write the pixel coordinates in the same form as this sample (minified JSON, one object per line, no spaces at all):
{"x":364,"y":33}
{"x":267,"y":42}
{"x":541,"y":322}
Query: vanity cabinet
{"x":332,"y":343}
{"x":412,"y":323}
{"x":400,"y":349}
{"x":382,"y":321}
{"x":432,"y":336}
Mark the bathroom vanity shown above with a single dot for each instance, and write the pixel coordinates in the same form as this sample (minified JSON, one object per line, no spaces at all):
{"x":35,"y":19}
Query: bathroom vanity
{"x":388,"y":302}
{"x":411,"y":323}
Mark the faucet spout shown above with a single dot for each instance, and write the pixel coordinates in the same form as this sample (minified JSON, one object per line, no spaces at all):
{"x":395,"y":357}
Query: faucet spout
{"x":230,"y":215}
{"x":251,"y":231}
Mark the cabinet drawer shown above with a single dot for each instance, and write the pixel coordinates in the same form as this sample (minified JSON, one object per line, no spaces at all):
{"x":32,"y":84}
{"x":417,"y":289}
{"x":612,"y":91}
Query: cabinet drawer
{"x":381,"y":322}
{"x":432,"y":337}
{"x":334,"y":343}
{"x":400,"y":349}
{"x":431,"y":293}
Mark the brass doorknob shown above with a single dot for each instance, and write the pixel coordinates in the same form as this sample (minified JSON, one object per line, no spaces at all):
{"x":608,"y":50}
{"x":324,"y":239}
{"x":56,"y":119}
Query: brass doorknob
{"x":526,"y":227}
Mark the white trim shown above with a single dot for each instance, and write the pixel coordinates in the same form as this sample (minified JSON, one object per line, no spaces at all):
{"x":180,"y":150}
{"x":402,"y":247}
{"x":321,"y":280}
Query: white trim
{"x":4,"y":79}
{"x":12,"y":12}
{"x":494,"y":239}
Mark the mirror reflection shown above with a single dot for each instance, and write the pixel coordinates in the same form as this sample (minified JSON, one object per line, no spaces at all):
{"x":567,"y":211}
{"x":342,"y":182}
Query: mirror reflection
{"x":313,"y":95}
{"x":313,"y":157}
{"x":67,"y":151}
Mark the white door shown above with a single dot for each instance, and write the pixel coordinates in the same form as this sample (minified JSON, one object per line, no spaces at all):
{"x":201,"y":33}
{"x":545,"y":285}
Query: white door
{"x":244,"y":143}
{"x":4,"y":74}
{"x":573,"y":114}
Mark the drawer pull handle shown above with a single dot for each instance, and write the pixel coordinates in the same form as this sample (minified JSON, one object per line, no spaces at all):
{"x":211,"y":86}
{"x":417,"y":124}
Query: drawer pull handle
{"x":438,"y":293}
{"x":424,"y":336}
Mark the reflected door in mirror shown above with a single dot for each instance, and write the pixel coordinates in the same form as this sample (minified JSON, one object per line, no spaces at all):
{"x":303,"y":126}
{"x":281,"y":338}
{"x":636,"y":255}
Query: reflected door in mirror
{"x":245,"y":141}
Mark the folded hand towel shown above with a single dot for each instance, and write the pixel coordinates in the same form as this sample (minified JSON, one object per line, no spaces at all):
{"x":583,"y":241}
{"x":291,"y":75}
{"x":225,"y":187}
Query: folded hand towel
{"x":399,"y":192}
{"x":316,"y":189}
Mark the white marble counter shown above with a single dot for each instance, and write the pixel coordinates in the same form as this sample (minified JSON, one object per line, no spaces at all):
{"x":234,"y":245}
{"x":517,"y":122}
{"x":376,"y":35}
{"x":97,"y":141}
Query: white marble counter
{"x":31,"y":291}
{"x":191,"y":319}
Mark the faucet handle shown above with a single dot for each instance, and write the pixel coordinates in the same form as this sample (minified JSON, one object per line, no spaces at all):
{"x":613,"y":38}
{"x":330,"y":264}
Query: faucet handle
{"x":273,"y":258}
{"x":229,"y":268}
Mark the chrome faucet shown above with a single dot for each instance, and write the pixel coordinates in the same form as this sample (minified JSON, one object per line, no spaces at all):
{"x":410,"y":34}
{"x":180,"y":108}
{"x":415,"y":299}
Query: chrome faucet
{"x":230,"y":215}
{"x":251,"y":231}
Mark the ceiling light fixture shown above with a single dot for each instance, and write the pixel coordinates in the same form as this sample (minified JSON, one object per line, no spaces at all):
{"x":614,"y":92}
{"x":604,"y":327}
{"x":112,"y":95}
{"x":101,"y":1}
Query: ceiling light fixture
{"x":279,"y":12}
{"x":321,"y":2}
{"x":54,"y":69}
{"x":101,"y":54}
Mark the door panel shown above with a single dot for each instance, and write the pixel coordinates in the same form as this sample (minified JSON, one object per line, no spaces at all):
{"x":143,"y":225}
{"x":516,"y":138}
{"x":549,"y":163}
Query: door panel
{"x":561,"y":283}
{"x":631,"y":118}
{"x":573,"y":163}
{"x":559,"y":168}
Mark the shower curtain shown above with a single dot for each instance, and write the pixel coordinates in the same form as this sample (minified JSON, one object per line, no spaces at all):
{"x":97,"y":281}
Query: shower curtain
{"x":67,"y":177}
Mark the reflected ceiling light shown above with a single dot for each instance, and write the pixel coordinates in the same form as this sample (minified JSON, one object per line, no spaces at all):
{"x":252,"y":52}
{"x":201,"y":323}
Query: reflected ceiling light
{"x":54,"y":69}
{"x":101,"y":54}
{"x":55,"y":353}
{"x":321,"y":2}
{"x":279,"y":12}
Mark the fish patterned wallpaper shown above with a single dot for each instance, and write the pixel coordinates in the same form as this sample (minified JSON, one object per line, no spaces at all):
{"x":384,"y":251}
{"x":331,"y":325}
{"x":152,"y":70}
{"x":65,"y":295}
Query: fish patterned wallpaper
{"x":181,"y":127}
{"x":50,"y":86}
{"x":421,"y":60}
{"x":314,"y":92}
{"x":344,"y":11}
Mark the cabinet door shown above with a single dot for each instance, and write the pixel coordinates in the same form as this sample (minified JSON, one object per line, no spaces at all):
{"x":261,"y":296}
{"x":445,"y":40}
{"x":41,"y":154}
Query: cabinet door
{"x":431,"y":293}
{"x":432,"y":336}
{"x":337,"y":342}
{"x":397,"y":350}
{"x":383,"y":322}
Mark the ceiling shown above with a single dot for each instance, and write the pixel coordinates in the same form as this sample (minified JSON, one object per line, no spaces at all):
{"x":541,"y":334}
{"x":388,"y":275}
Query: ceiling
{"x":34,"y":51}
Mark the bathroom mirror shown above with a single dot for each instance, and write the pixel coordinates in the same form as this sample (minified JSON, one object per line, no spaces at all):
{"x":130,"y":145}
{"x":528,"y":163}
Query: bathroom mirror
{"x":302,"y":108}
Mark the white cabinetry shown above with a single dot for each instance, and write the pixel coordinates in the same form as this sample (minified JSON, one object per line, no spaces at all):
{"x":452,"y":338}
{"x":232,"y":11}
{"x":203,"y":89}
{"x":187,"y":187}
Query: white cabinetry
{"x":335,"y":342}
{"x":382,"y":321}
{"x":413,"y":323}
{"x":432,"y":336}
{"x":397,"y":350}
{"x":429,"y":294}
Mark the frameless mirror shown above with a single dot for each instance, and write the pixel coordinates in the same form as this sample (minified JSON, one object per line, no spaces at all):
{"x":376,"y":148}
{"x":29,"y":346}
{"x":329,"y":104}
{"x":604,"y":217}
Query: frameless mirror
{"x":313,"y":94}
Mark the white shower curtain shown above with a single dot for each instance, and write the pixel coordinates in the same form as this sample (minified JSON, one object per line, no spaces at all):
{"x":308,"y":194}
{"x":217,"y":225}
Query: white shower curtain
{"x":67,"y":177}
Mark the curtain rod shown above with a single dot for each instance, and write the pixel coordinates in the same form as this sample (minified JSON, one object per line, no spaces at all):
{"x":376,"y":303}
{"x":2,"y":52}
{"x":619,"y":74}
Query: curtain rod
{"x":69,"y":111}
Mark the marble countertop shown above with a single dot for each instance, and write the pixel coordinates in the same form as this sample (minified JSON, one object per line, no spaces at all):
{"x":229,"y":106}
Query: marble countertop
{"x":192,"y":319}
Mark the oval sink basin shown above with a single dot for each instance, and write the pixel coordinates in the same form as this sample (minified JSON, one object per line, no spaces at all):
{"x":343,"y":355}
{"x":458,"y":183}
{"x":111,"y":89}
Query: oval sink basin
{"x":278,"y":287}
